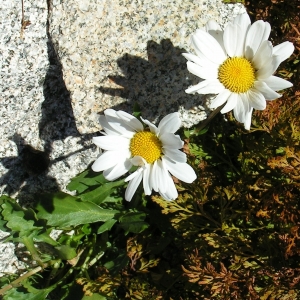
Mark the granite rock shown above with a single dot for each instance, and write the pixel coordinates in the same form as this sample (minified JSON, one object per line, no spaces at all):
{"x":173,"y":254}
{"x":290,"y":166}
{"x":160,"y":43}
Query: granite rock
{"x":115,"y":54}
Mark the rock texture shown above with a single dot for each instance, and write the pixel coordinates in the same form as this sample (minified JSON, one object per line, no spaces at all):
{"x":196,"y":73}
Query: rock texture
{"x":118,"y":53}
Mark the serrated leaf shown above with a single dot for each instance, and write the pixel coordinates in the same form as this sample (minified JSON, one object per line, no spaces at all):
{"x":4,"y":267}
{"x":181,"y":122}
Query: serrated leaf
{"x":106,"y":226}
{"x":64,"y":210}
{"x":99,"y":194}
{"x":18,"y":219}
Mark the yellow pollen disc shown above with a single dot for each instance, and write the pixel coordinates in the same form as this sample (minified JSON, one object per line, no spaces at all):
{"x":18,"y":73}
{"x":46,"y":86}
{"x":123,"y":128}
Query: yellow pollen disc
{"x":237,"y":74}
{"x":147,"y":145}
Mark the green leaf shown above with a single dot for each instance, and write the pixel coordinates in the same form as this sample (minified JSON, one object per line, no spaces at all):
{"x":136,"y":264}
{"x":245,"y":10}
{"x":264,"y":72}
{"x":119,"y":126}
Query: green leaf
{"x":64,"y":210}
{"x":106,"y":226}
{"x":99,"y":194}
{"x":94,"y":297}
{"x":18,"y":219}
{"x":66,"y":252}
{"x":22,"y":294}
{"x":84,"y":180}
{"x":133,"y":222}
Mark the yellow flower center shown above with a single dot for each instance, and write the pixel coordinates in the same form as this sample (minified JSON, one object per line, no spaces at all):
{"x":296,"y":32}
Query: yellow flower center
{"x":147,"y":145}
{"x":237,"y":74}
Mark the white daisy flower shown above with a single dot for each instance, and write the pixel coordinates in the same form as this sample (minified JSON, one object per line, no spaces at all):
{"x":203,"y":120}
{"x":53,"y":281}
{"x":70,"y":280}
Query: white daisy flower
{"x":154,"y":151}
{"x":237,"y":64}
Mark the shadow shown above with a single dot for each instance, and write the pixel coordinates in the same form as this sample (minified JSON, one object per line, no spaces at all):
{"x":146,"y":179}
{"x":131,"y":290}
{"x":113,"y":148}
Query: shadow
{"x":27,"y":172}
{"x":158,"y":84}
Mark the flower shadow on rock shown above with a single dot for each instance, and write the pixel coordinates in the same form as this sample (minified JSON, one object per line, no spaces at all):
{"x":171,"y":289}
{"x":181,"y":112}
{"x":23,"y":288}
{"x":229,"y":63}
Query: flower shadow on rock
{"x":158,"y":84}
{"x":27,"y":172}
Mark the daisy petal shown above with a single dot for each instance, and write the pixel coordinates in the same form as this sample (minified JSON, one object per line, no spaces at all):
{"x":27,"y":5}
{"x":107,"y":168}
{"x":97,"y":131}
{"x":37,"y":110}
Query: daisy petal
{"x":146,"y":179}
{"x":152,"y":127}
{"x":108,"y":160}
{"x":182,"y":171}
{"x":175,"y":155}
{"x":232,"y":41}
{"x":170,"y":140}
{"x":284,"y":50}
{"x":242,"y":106}
{"x":263,"y":55}
{"x":117,"y":123}
{"x":117,"y":171}
{"x":106,"y":127}
{"x":171,"y":192}
{"x":231,"y":103}
{"x":258,"y":32}
{"x":133,"y":184}
{"x":130,"y":120}
{"x":220,"y":99}
{"x":170,"y":123}
{"x":209,"y":86}
{"x":214,"y":29}
{"x":267,"y":92}
{"x":208,"y":46}
{"x":200,"y":60}
{"x":248,"y":117}
{"x":256,"y":99}
{"x":277,"y":84}
{"x":111,"y":142}
{"x":202,"y":72}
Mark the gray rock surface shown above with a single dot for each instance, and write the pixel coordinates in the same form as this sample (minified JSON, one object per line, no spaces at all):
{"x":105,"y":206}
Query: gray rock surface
{"x":73,"y":60}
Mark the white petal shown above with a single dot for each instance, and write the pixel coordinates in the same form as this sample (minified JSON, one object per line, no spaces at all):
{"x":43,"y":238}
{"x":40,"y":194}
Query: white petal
{"x":182,"y":171}
{"x":231,"y":103}
{"x":258,"y":32}
{"x":284,"y":50}
{"x":242,"y":106}
{"x":117,"y":123}
{"x":243,"y":21}
{"x":267,"y":92}
{"x":200,"y":60}
{"x":202,"y":72}
{"x":214,"y":29}
{"x":175,"y":155}
{"x":277,"y":84}
{"x":208,"y":46}
{"x":220,"y":99}
{"x":138,"y":161}
{"x":108,"y":160}
{"x":248,"y":117}
{"x":265,"y":71}
{"x":152,"y":127}
{"x":211,"y":86}
{"x":171,"y":192}
{"x":117,"y":171}
{"x":263,"y":55}
{"x":170,"y":123}
{"x":170,"y":140}
{"x":106,"y":127}
{"x":256,"y":99}
{"x":111,"y":142}
{"x":146,"y":179}
{"x":162,"y":176}
{"x":154,"y":176}
{"x":280,"y":53}
{"x":130,"y":120}
{"x":133,"y":184}
{"x":232,"y":40}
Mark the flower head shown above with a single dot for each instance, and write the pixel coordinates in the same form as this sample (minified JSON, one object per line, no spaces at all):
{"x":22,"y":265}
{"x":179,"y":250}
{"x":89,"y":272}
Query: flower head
{"x":237,"y":64}
{"x":155,"y":151}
